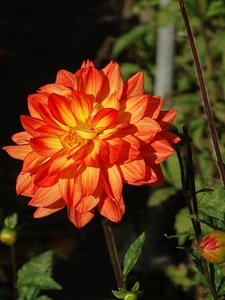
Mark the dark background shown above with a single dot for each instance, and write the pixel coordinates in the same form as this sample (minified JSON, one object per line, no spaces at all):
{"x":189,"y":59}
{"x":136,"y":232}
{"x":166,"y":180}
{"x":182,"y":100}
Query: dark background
{"x":37,"y":38}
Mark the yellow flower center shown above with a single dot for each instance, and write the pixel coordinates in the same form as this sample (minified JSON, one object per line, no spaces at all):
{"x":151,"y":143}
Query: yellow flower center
{"x":79,"y":134}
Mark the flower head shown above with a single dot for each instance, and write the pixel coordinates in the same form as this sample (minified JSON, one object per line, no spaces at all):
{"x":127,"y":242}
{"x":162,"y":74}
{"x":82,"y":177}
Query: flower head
{"x":212,"y":247}
{"x":87,"y":134}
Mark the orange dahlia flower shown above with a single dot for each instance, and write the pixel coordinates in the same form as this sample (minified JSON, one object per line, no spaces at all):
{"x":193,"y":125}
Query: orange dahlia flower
{"x":87,"y":134}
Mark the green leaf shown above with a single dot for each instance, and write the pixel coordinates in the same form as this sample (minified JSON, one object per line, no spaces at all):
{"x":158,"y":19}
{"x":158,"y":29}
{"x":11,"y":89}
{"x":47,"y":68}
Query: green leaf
{"x":210,"y":200}
{"x":183,"y":225}
{"x":135,"y":287}
{"x":35,"y":276}
{"x":11,"y":221}
{"x":43,"y":298}
{"x":161,"y":195}
{"x":133,"y":253}
{"x":128,"y":39}
{"x":119,"y":294}
{"x":216,"y":8}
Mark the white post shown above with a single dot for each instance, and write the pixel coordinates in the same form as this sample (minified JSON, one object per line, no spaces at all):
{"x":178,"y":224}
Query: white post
{"x":164,"y":58}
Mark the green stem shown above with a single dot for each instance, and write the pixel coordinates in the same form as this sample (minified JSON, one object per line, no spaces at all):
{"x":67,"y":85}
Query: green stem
{"x":113,"y":253}
{"x":14,"y":270}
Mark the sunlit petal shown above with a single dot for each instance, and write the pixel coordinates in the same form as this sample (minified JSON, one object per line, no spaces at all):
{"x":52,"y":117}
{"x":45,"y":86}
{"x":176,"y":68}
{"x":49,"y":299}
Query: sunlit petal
{"x":60,"y":109}
{"x":105,"y":118}
{"x":133,"y":109}
{"x":46,"y":146}
{"x":111,"y":209}
{"x":78,"y":219}
{"x":81,"y":106}
{"x":18,"y":152}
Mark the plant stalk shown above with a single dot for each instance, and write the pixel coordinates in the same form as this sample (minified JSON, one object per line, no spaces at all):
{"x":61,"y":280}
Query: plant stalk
{"x":13,"y":259}
{"x":204,"y":94}
{"x":113,"y":253}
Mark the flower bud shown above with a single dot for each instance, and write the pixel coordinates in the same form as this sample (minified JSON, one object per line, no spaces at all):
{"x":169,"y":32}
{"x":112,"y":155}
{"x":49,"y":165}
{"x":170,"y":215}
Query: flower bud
{"x":8,"y":236}
{"x":130,"y":296}
{"x":212,"y":247}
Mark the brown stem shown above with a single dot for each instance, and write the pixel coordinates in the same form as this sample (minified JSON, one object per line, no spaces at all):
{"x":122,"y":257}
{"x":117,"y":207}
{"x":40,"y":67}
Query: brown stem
{"x":214,"y":86}
{"x":208,"y":278}
{"x":191,"y":182}
{"x":111,"y":244}
{"x":204,"y":94}
{"x":188,"y":184}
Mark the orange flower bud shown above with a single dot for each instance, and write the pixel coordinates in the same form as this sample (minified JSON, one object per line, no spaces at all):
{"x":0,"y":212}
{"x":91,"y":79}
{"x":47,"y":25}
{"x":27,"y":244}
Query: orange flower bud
{"x":212,"y":247}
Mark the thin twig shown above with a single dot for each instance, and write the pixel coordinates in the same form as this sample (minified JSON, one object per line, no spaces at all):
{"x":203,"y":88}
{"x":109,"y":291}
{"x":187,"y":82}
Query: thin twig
{"x":204,"y":93}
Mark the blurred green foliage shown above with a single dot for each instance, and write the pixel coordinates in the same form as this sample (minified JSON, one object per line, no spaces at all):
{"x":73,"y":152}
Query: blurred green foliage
{"x":138,"y":45}
{"x":137,"y":51}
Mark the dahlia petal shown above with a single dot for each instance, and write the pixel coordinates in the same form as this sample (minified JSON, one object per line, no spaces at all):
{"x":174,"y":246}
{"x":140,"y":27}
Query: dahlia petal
{"x":45,"y":197}
{"x":42,"y":177}
{"x":67,"y":187}
{"x":111,"y":150}
{"x":33,"y":104}
{"x":133,"y":109}
{"x":91,"y":81}
{"x":18,"y":152}
{"x":59,"y":163}
{"x":154,"y":107}
{"x":157,"y":151}
{"x":112,"y":81}
{"x":111,"y":101}
{"x":166,"y":117}
{"x":81,"y":106}
{"x":21,"y":138}
{"x":24,"y":184}
{"x":46,"y":211}
{"x":134,"y":85}
{"x":65,"y":78}
{"x":32,"y":161}
{"x":111,"y":209}
{"x":59,"y":107}
{"x":46,"y":146}
{"x":91,"y":152}
{"x":86,"y":180}
{"x":106,"y":117}
{"x":78,"y":219}
{"x":147,"y":129}
{"x":46,"y":130}
{"x":86,"y":64}
{"x":54,"y":88}
{"x":87,"y":203}
{"x":154,"y":175}
{"x":48,"y":118}
{"x":133,"y":171}
{"x":170,"y":137}
{"x":31,"y":124}
{"x":111,"y":181}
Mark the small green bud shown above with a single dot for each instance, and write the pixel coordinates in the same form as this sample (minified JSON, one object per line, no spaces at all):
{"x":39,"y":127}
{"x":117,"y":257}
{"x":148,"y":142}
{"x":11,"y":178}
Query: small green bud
{"x":8,"y":236}
{"x":212,"y":247}
{"x":130,"y":296}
